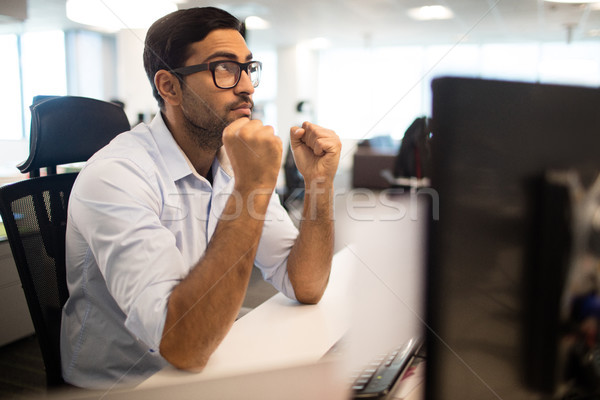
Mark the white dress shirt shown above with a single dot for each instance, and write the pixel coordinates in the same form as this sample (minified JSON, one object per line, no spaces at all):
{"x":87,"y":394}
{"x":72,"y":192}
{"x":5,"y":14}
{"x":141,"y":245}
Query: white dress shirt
{"x":140,"y":217}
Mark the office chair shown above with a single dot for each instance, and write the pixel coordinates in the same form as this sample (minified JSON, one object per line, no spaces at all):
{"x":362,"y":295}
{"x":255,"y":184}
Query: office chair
{"x":64,"y":130}
{"x":294,"y":181}
{"x":412,"y":165}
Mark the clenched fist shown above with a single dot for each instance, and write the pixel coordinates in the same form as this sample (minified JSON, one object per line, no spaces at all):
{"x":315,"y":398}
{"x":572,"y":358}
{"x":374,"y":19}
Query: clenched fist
{"x":254,"y":152}
{"x":316,"y":151}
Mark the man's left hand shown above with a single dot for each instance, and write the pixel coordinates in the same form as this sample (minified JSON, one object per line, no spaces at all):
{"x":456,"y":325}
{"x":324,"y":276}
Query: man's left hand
{"x":316,"y":152}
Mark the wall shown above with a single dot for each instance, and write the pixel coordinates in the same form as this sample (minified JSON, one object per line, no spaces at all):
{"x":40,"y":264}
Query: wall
{"x":91,"y":65}
{"x":133,"y":85}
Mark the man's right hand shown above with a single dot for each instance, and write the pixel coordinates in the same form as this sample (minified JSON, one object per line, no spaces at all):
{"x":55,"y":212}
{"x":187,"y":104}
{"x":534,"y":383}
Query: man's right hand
{"x":219,"y":279}
{"x":254,"y":152}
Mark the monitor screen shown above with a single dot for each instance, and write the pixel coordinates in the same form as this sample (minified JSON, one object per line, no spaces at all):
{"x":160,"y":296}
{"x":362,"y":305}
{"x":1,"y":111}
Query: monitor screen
{"x":507,"y":160}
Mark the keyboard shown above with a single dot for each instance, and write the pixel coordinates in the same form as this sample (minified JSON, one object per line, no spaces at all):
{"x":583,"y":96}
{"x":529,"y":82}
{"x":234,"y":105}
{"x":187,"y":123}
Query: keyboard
{"x":376,"y":380}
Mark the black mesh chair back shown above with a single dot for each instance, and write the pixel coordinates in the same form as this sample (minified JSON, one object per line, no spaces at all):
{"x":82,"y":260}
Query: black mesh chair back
{"x":34,"y":211}
{"x":34,"y":216}
{"x":70,"y":129}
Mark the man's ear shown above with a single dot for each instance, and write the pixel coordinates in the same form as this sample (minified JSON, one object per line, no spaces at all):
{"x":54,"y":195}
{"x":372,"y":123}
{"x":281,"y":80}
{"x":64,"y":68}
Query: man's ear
{"x":168,"y":87}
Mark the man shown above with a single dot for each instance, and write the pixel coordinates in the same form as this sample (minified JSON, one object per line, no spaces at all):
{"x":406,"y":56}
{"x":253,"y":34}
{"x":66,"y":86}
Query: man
{"x":167,"y":221}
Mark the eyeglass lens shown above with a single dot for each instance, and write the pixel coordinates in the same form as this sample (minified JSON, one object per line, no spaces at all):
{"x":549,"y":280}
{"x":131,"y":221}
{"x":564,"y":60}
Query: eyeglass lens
{"x":227,"y":74}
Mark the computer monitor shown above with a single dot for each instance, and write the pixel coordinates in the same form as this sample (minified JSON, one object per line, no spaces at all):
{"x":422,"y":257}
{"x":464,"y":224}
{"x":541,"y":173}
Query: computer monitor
{"x":500,"y":318}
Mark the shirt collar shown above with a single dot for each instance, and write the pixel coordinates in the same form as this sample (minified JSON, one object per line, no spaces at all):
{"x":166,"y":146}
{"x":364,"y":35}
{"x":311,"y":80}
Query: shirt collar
{"x":224,"y":162}
{"x":176,"y":161}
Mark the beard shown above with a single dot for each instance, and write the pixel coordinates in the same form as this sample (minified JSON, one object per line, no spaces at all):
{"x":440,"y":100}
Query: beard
{"x":202,"y":123}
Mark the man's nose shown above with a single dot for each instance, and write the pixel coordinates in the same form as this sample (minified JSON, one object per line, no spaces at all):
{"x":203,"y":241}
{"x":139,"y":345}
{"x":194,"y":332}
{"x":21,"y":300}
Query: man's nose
{"x":245,"y":84}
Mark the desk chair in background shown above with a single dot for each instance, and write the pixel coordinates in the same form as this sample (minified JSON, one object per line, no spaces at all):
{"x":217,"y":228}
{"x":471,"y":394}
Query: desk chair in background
{"x":64,"y":130}
{"x":412,"y":165}
{"x":294,"y":181}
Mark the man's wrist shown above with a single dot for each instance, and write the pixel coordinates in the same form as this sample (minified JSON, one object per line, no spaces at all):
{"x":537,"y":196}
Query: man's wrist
{"x":318,"y":183}
{"x":318,"y":200}
{"x":248,"y":202}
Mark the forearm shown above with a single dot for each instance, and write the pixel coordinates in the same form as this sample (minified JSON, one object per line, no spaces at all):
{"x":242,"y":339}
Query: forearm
{"x":202,"y":308}
{"x":309,"y":262}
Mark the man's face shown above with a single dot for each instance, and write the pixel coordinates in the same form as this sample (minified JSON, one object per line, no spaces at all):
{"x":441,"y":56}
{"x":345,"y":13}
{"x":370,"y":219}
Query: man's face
{"x":206,"y":108}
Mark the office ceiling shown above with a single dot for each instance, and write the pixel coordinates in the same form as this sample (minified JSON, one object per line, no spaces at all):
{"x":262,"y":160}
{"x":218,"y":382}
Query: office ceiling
{"x":380,"y":22}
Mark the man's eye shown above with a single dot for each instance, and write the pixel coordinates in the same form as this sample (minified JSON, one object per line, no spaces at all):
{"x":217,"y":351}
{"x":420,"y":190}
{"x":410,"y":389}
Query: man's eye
{"x":226,"y":67}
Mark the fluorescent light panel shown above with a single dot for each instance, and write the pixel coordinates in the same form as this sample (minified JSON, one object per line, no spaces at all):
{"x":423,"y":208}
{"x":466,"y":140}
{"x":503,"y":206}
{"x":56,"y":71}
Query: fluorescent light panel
{"x":428,"y":13}
{"x":255,"y":23}
{"x":112,"y":15}
{"x":572,"y":1}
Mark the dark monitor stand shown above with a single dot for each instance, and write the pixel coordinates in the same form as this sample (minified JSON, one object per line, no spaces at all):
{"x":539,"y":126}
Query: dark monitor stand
{"x":503,"y":316}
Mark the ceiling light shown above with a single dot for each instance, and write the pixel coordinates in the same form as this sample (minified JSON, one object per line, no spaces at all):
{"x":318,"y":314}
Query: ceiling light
{"x":593,"y":32}
{"x":254,"y":22}
{"x":112,"y":15}
{"x":428,"y":13}
{"x":572,"y":1}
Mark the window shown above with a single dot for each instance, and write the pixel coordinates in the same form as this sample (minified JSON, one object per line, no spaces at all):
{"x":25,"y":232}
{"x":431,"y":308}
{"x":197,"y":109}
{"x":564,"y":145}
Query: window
{"x":10,"y":101}
{"x":369,"y":92}
{"x":43,"y":67}
{"x":571,"y":64}
{"x":35,"y":63}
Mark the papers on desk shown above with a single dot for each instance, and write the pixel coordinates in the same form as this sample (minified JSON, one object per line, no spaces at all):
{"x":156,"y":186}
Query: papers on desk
{"x":410,"y":386}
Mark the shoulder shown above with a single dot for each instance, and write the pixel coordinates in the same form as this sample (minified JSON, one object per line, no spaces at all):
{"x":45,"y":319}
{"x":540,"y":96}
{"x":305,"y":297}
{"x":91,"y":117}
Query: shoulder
{"x":127,"y":163}
{"x":135,"y":147}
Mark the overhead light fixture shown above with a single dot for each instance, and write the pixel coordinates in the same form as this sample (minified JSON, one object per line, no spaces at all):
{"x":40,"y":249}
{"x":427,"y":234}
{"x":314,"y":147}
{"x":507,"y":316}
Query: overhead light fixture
{"x":593,"y":33}
{"x":428,"y":13}
{"x":572,"y":1}
{"x":256,"y":23}
{"x":113,"y":15}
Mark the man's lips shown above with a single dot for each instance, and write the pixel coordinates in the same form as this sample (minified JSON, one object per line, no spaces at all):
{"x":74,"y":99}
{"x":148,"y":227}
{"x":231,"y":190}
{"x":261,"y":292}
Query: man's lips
{"x":245,"y":108}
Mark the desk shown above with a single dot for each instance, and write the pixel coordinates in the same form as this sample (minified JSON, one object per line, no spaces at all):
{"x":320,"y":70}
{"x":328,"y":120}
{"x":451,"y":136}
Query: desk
{"x":280,"y":334}
{"x":274,"y":352}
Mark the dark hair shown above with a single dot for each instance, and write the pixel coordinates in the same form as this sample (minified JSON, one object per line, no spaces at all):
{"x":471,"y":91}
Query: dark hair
{"x":168,"y":40}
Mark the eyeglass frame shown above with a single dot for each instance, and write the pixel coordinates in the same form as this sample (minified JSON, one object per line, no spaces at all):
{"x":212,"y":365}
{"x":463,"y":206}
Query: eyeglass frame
{"x":211,"y":66}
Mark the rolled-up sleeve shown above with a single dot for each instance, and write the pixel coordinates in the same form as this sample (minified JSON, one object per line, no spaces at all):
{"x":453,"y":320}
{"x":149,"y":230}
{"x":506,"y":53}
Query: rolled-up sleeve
{"x":278,"y":237}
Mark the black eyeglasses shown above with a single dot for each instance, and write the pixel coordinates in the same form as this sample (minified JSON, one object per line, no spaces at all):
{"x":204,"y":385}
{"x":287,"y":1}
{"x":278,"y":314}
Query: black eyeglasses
{"x":226,"y":74}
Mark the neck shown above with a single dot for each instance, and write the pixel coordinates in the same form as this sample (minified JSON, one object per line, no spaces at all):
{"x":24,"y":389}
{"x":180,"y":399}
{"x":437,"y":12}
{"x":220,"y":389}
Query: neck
{"x":200,"y":156}
{"x":201,"y":159}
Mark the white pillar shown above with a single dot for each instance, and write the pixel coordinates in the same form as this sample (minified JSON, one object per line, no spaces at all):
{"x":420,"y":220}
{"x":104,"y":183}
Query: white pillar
{"x":296,"y":81}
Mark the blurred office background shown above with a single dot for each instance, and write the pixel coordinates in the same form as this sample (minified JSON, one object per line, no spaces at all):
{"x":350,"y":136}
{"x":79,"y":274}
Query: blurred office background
{"x":361,"y":67}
